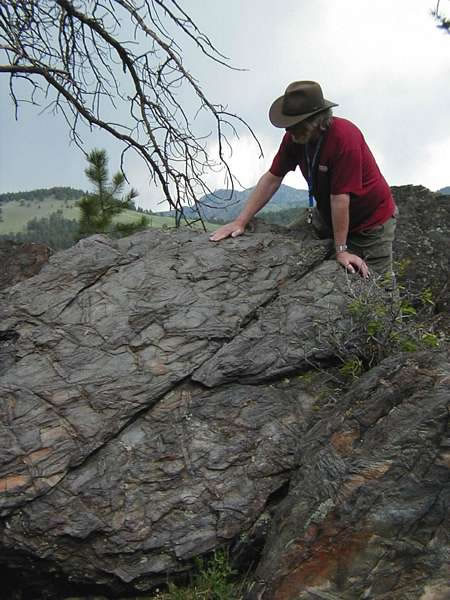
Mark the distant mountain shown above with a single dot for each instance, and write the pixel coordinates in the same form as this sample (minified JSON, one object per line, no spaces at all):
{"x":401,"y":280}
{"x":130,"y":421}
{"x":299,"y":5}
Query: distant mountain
{"x":445,"y":191}
{"x":220,"y":206}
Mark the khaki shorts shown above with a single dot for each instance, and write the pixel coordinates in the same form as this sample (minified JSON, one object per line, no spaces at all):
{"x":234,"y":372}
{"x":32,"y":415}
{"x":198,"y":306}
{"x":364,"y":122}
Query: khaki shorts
{"x":373,"y":245}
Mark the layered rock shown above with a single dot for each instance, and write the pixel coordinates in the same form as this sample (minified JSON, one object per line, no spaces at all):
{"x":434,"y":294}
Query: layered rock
{"x":182,"y":479}
{"x":106,"y":447}
{"x":422,"y":247}
{"x":153,"y":407}
{"x":367,"y":513}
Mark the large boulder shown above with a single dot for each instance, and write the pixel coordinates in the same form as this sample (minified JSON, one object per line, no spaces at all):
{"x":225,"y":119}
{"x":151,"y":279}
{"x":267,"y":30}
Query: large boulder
{"x":109,"y":449}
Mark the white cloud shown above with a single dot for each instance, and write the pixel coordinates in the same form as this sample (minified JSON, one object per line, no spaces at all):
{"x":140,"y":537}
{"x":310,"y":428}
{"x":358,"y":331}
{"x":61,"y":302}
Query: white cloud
{"x":244,"y":161}
{"x":384,"y":62}
{"x":435,"y":173}
{"x":247,"y":166}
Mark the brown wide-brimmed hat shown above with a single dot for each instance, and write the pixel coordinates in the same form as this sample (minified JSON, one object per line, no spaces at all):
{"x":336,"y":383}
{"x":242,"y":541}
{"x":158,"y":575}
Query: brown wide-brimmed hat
{"x":301,"y":100}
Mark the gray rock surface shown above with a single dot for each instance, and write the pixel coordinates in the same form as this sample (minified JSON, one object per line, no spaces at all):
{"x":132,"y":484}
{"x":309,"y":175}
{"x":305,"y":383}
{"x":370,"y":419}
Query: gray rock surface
{"x":153,"y":407}
{"x":367,"y":513}
{"x":185,"y":477}
{"x":284,"y":336}
{"x":422,"y":245}
{"x":96,"y":341}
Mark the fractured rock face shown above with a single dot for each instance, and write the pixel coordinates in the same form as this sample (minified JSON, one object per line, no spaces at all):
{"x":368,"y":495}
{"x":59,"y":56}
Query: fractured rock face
{"x":284,"y":336}
{"x":187,"y":476}
{"x":367,"y":515}
{"x":109,"y":328}
{"x":150,"y":412}
{"x":421,"y":247}
{"x":99,"y":457}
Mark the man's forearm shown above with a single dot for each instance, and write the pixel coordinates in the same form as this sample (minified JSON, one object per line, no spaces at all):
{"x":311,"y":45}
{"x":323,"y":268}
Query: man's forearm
{"x":340,"y":204}
{"x":260,"y":196}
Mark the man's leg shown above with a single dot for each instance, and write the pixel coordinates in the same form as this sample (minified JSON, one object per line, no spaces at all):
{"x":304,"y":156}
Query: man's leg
{"x":375,"y":246}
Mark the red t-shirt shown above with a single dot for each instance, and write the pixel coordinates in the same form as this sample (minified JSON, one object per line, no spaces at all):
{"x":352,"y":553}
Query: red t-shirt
{"x":345,"y":165}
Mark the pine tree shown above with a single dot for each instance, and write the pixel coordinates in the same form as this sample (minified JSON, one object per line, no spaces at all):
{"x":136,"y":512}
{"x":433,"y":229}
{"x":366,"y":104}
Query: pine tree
{"x":99,"y":208}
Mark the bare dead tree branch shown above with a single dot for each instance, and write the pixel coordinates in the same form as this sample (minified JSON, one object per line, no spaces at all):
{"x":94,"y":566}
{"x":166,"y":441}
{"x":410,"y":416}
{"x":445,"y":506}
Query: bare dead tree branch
{"x":89,"y":59}
{"x":443,"y":21}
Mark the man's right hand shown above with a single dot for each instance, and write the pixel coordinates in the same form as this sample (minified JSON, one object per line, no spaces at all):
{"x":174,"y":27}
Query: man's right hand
{"x":266,"y":187}
{"x":232,"y":229}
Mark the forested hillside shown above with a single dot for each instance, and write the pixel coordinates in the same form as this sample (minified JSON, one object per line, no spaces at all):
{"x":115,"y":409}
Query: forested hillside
{"x":52,"y":215}
{"x":67,"y":194}
{"x":55,"y":230}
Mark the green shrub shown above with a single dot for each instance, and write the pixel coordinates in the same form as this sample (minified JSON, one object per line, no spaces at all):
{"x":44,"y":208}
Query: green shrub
{"x":379,"y":319}
{"x":214,"y":580}
{"x":352,"y":368}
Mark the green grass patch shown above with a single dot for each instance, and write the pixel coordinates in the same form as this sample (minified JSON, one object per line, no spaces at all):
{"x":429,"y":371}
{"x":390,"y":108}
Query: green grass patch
{"x":16,"y":215}
{"x":214,"y":580}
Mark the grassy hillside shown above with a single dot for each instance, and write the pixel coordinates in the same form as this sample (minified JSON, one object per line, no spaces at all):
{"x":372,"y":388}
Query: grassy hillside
{"x":17,"y":213}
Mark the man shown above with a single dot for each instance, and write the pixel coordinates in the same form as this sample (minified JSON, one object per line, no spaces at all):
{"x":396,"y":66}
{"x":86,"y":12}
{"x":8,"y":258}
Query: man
{"x":354,"y":203}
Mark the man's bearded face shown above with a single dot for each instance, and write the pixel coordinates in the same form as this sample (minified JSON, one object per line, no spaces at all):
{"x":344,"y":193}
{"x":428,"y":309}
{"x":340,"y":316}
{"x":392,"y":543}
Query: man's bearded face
{"x":304,"y":132}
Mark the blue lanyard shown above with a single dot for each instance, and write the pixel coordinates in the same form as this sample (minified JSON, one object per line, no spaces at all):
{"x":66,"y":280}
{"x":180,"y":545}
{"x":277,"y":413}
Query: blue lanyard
{"x":311,"y":166}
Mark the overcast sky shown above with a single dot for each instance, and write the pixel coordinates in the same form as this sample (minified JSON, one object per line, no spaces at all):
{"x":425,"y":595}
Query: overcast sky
{"x":385,"y":63}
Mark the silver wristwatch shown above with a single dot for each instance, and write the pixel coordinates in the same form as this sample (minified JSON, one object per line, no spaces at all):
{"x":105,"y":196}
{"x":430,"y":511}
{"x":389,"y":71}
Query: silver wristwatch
{"x":341,"y":248}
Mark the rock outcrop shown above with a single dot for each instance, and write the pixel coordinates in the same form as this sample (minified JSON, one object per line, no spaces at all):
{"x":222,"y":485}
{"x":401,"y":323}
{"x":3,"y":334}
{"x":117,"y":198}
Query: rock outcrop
{"x":155,"y":402}
{"x":20,"y":261}
{"x":111,"y":448}
{"x":422,"y":246}
{"x":367,"y":513}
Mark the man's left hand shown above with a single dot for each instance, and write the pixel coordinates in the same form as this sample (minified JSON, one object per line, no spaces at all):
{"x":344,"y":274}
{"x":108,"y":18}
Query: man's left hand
{"x":353,"y":263}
